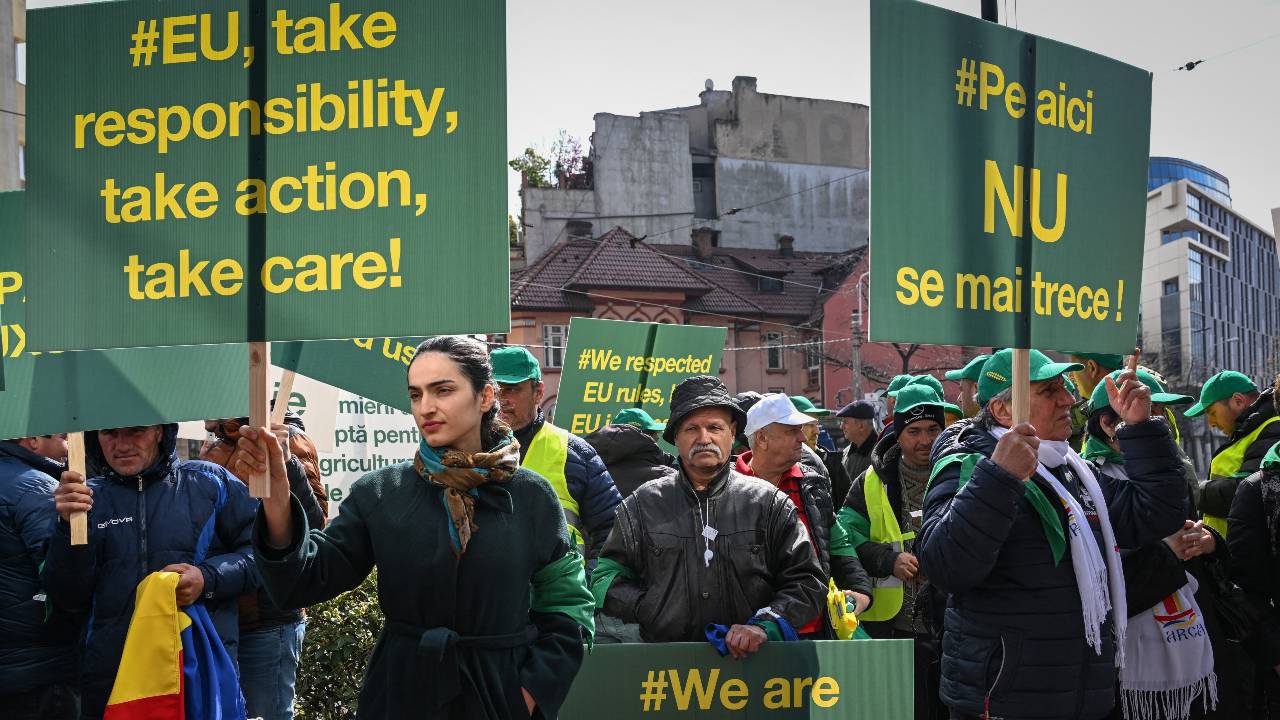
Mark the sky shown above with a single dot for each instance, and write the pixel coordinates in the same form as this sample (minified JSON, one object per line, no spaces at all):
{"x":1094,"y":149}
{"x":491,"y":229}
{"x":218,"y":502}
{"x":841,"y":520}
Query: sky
{"x":570,"y":59}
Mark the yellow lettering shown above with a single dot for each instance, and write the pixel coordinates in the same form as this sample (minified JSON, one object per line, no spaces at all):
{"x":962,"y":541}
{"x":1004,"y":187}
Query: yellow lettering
{"x":777,"y":695}
{"x":1053,"y":234}
{"x":269,"y":282}
{"x":909,"y":293}
{"x":826,"y":692}
{"x":173,"y":38}
{"x":974,"y":283}
{"x":733,"y":694}
{"x":993,"y":187}
{"x":931,"y":287}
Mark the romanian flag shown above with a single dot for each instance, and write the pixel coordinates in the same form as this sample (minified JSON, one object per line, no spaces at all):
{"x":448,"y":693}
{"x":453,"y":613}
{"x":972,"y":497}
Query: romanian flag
{"x":174,"y":666}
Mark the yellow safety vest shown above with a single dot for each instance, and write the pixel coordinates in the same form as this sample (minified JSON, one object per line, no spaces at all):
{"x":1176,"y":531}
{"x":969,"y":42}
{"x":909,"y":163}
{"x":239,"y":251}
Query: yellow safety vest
{"x":547,"y":454}
{"x":1226,"y":464}
{"x":886,"y":592}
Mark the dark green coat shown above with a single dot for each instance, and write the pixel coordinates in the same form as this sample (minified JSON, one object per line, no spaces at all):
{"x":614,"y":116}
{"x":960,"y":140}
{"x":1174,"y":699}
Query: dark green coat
{"x":395,"y":519}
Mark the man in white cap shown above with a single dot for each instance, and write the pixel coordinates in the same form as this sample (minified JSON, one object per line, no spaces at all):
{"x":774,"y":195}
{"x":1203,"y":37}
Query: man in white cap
{"x":775,"y":432}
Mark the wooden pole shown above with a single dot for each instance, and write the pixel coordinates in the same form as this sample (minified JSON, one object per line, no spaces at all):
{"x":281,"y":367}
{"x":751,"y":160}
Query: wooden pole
{"x":259,"y":409}
{"x":1021,"y":385}
{"x":282,"y":396}
{"x":75,"y":463}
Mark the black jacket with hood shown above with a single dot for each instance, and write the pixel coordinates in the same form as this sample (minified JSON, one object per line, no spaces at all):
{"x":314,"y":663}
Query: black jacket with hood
{"x":631,"y":456}
{"x":37,"y":647}
{"x":173,"y":512}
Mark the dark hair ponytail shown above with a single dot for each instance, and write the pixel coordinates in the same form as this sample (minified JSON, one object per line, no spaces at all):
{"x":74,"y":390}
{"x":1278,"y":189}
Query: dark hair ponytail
{"x":473,"y":357}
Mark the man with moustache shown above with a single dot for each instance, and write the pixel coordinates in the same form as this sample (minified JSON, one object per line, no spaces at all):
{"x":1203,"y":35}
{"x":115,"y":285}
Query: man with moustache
{"x":709,"y":546}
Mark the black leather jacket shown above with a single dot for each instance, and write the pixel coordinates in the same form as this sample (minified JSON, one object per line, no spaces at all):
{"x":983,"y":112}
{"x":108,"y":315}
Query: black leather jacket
{"x":762,"y":557}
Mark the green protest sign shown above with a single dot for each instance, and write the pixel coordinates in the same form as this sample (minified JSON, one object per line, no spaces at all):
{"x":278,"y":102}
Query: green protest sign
{"x":251,"y":171}
{"x":611,"y":365}
{"x":1008,"y":185}
{"x":374,"y":368}
{"x":65,"y":392}
{"x":807,"y":679}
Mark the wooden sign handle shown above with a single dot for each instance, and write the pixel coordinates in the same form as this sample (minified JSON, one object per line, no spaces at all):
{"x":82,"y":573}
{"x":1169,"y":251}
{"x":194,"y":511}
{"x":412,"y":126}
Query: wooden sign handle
{"x":1021,"y":385}
{"x":282,"y":396}
{"x":259,"y":410}
{"x":75,"y":462}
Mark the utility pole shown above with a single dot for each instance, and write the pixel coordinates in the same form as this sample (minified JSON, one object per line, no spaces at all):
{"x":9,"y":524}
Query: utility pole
{"x":989,"y":11}
{"x":855,"y":338}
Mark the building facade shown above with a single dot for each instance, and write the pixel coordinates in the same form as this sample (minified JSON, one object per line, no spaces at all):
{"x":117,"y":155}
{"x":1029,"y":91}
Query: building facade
{"x":771,"y":302}
{"x":1210,"y":287}
{"x":845,"y":347}
{"x":13,"y":94}
{"x":745,"y":165}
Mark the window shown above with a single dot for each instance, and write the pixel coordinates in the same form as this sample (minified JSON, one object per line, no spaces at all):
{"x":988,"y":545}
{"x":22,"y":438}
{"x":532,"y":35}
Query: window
{"x":778,"y":390}
{"x":498,"y":340}
{"x":554,"y":337}
{"x":1195,"y":209}
{"x":774,"y":341}
{"x":1170,"y":287}
{"x":813,"y":364}
{"x":704,"y":190}
{"x":1169,"y":236}
{"x":770,"y":285}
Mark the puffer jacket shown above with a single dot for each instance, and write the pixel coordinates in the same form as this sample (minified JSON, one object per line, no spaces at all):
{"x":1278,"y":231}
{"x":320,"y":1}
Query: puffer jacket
{"x":1014,"y":641}
{"x":36,"y":648}
{"x":631,"y":456}
{"x":174,"y":512}
{"x":762,"y":558}
{"x":1255,"y":554}
{"x":819,"y":510}
{"x":589,"y":483}
{"x":1216,"y":496}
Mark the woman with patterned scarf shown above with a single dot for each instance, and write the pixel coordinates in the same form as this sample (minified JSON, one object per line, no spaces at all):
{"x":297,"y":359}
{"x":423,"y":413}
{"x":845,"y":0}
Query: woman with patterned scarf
{"x":1172,"y":670}
{"x":485,"y":599}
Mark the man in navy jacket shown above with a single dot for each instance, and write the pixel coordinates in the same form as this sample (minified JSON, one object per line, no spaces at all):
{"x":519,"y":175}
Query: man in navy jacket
{"x":148,"y":512}
{"x":996,"y":539}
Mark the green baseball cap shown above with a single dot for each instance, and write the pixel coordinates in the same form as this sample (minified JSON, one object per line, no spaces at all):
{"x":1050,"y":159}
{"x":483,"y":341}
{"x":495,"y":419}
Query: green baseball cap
{"x":971,"y":371}
{"x":997,"y":372}
{"x":638,"y":418}
{"x":1099,"y":400}
{"x":928,"y":381}
{"x":917,"y":402}
{"x":1106,"y":360}
{"x":1220,"y":387}
{"x":806,"y":406}
{"x":897,"y":383}
{"x":513,"y":365}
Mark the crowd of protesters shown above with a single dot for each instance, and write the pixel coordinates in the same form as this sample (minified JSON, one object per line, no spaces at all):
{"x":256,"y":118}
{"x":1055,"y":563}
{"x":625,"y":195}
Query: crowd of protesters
{"x":1069,"y":564}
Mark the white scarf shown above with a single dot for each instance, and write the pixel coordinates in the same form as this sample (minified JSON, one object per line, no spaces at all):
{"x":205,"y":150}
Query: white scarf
{"x":1170,"y":658}
{"x":1100,"y":581}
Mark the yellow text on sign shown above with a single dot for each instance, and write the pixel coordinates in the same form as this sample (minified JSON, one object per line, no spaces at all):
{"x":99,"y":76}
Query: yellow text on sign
{"x":694,"y":690}
{"x":370,"y":270}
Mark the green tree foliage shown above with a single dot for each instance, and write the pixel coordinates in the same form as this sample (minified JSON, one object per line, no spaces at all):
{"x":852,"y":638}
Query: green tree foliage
{"x":339,"y":642}
{"x":534,"y":166}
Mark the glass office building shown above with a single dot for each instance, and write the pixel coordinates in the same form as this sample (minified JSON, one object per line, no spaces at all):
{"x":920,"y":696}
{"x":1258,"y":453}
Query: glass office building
{"x":1211,"y":286}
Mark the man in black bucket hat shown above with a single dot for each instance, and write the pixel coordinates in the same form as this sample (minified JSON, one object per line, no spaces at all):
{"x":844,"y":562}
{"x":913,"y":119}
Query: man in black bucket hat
{"x":709,"y":547}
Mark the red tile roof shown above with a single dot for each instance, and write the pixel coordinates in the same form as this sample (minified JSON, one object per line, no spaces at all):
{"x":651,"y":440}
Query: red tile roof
{"x":726,"y":283}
